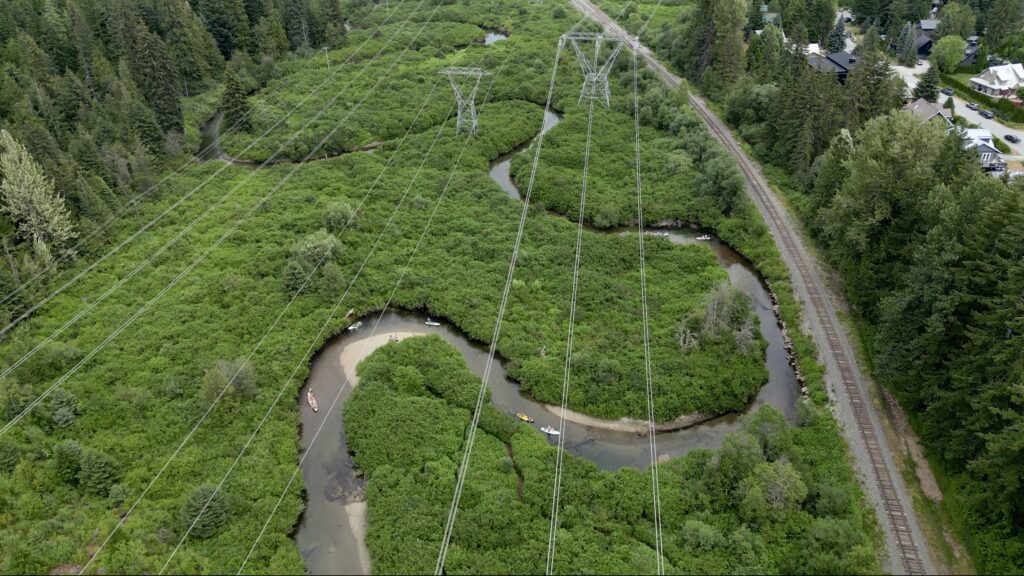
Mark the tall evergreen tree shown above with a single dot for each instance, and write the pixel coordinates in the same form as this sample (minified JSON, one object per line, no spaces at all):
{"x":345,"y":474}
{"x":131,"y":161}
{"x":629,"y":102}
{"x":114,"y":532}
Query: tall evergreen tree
{"x":234,"y":102}
{"x":296,"y":23}
{"x":905,"y":52}
{"x":29,"y":198}
{"x":837,"y":37}
{"x":928,"y":87}
{"x":333,"y":23}
{"x":711,"y":46}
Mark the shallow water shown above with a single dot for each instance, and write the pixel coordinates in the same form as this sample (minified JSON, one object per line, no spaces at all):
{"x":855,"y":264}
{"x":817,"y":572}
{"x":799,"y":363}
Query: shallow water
{"x":501,"y":167}
{"x":327,"y":537}
{"x":493,"y":37}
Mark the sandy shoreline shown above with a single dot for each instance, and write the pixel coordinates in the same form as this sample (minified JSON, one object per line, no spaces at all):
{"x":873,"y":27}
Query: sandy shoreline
{"x":354,"y":353}
{"x":357,"y":521}
{"x":630,"y":424}
{"x":350,"y":357}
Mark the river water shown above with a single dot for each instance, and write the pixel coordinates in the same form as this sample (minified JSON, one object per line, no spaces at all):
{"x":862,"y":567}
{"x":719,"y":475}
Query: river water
{"x":333,"y":525}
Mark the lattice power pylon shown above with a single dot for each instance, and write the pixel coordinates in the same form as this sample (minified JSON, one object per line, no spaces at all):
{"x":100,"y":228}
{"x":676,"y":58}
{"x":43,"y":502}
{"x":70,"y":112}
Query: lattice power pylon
{"x":466,"y":119}
{"x":595,"y":73}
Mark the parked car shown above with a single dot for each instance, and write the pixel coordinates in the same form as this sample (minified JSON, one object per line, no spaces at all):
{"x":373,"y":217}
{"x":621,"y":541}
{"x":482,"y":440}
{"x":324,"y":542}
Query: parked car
{"x":986,"y":114}
{"x":947,"y":91}
{"x":972,"y":105}
{"x":1012,"y":138}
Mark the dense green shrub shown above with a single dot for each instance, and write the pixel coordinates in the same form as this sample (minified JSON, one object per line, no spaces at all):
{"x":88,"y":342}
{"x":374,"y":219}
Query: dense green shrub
{"x":719,"y":510}
{"x":98,"y":472}
{"x":208,"y":521}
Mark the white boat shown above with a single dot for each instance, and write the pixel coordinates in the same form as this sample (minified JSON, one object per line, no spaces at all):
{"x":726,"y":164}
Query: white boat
{"x":311,"y":399}
{"x":703,"y":237}
{"x":355,"y":327}
{"x":549,"y":431}
{"x":431,"y":322}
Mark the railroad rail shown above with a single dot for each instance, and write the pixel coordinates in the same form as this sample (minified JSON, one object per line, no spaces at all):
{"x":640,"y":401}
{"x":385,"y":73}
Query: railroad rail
{"x":892,"y":505}
{"x":892,"y":502}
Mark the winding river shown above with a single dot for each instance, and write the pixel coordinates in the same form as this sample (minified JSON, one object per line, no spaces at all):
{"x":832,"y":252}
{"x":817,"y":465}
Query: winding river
{"x":330,"y":535}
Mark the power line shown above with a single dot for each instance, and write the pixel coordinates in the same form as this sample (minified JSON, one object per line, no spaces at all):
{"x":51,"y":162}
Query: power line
{"x":301,"y":362}
{"x":162,"y":214}
{"x":337,"y":306}
{"x":220,"y":395}
{"x":556,"y":494}
{"x":463,"y":469}
{"x":203,"y":256}
{"x":133,"y":202}
{"x":651,"y":430}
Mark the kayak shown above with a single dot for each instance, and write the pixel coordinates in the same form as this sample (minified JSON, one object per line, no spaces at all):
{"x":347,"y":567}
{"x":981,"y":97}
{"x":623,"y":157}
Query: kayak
{"x":549,"y":430}
{"x":703,"y":237}
{"x":524,"y":417}
{"x":311,"y":399}
{"x":430,"y":322}
{"x":355,"y":327}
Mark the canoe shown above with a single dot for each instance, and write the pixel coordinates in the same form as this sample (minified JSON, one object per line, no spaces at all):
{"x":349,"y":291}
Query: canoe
{"x":430,"y":322}
{"x":311,"y":399}
{"x":355,"y":327}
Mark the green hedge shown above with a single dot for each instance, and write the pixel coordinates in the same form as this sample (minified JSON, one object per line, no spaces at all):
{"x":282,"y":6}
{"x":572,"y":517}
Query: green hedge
{"x":1002,"y":107}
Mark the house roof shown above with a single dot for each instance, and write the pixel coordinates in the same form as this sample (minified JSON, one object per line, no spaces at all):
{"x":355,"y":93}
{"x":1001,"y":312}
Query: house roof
{"x":1005,"y":77}
{"x":978,"y":136}
{"x":921,"y":40}
{"x":835,"y":62}
{"x":927,"y":110}
{"x":929,"y":24}
{"x":844,"y":59}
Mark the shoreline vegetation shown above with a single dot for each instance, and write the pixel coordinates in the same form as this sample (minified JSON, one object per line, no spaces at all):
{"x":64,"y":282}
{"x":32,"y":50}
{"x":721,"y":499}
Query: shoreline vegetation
{"x":90,"y":449}
{"x":415,"y":396}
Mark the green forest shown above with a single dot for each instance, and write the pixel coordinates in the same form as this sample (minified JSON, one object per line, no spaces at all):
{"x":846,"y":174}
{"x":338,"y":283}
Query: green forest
{"x":772,"y":500}
{"x":930,"y":250}
{"x":79,"y":459}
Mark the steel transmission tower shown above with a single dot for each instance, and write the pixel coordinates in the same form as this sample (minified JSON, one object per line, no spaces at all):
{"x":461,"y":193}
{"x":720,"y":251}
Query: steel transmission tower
{"x":467,"y":103}
{"x":595,"y":73}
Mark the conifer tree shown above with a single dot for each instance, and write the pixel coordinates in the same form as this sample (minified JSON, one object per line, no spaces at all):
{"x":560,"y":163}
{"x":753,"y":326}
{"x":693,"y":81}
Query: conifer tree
{"x":928,"y":87}
{"x":837,"y":37}
{"x":234,"y":103}
{"x":29,"y":198}
{"x":296,"y":20}
{"x":905,"y":46}
{"x":205,"y":522}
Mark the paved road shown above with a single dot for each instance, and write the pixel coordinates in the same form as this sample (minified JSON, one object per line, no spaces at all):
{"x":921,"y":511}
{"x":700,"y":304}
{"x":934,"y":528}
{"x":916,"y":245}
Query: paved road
{"x":911,"y":77}
{"x":846,"y":384}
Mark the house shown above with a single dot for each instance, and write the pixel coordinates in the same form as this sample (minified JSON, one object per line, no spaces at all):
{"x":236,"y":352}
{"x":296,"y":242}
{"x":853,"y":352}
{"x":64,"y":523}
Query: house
{"x":929,"y":26}
{"x":988,"y":155}
{"x":927,"y":111}
{"x":977,"y":138}
{"x":971,"y":53}
{"x":1000,"y":81}
{"x":838,"y":63}
{"x":769,"y":17}
{"x":924,"y":34}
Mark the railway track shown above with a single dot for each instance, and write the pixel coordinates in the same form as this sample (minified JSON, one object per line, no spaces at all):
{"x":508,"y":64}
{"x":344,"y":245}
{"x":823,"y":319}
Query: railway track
{"x":883,"y":483}
{"x":892,"y":505}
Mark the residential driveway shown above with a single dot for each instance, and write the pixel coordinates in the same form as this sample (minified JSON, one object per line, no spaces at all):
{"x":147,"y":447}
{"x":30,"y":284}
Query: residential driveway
{"x":910,"y":76}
